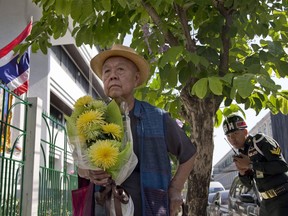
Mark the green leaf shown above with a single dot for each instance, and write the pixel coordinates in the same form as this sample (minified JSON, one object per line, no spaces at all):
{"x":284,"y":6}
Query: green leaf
{"x":258,"y":103}
{"x":81,"y":35}
{"x":244,"y":85}
{"x":106,"y":5}
{"x":21,"y":49}
{"x":113,"y":114}
{"x":200,"y":88}
{"x":275,"y":48}
{"x":237,"y":66}
{"x":263,"y":55}
{"x":186,"y":72}
{"x":228,"y":101}
{"x":34,"y":47}
{"x":268,"y":83}
{"x":60,"y":6}
{"x":284,"y":93}
{"x":172,"y":77}
{"x":227,"y":111}
{"x":228,"y":78}
{"x":247,"y":103}
{"x":254,"y":68}
{"x":171,"y":56}
{"x":71,"y":127}
{"x":163,"y":73}
{"x":252,"y":60}
{"x":75,"y":30}
{"x":273,"y":100}
{"x":282,"y":67}
{"x":235,"y":107}
{"x":193,"y":58}
{"x":175,"y":106}
{"x":155,"y":83}
{"x":218,"y":118}
{"x":233,"y":92}
{"x":215,"y":85}
{"x":272,"y":108}
{"x":43,"y":45}
{"x":261,"y":96}
{"x":76,"y":9}
{"x":123,"y":3}
{"x":87,"y":10}
{"x":283,"y":105}
{"x":204,"y":62}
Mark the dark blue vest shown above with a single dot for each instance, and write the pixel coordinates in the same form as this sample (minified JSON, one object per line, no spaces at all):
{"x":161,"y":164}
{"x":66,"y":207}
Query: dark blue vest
{"x":155,"y":168}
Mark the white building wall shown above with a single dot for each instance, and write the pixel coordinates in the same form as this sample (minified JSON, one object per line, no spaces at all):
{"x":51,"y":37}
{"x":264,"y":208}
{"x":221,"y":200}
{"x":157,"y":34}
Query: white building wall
{"x":62,"y":85}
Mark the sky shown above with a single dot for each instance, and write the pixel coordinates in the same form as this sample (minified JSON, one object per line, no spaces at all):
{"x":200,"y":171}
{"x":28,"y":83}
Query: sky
{"x":221,"y":147}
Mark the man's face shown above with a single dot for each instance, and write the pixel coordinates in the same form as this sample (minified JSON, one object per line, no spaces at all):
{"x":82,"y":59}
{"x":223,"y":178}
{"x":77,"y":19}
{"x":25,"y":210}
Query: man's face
{"x":120,"y":76}
{"x":237,"y":138}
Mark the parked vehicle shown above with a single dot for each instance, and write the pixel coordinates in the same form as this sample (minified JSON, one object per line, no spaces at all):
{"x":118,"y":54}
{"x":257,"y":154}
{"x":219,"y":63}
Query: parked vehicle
{"x":215,"y":186}
{"x":242,"y":200}
{"x":218,"y":203}
{"x":237,"y":201}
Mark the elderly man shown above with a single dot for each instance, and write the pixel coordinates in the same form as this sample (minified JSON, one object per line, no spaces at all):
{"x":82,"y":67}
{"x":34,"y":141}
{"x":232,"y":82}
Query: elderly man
{"x":155,"y":135}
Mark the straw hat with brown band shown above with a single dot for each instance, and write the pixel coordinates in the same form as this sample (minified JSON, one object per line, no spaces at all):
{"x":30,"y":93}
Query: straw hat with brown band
{"x":122,"y":51}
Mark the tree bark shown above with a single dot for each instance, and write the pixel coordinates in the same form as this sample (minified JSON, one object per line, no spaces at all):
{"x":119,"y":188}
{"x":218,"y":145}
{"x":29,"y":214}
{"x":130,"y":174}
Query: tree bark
{"x":200,"y":115}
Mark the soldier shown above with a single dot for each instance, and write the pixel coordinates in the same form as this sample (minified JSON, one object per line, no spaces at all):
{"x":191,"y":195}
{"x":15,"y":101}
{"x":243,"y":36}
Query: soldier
{"x":260,"y":160}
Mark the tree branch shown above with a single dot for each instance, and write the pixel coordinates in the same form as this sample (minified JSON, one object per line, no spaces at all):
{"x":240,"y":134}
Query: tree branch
{"x":169,"y":37}
{"x":191,"y":45}
{"x":224,"y":56}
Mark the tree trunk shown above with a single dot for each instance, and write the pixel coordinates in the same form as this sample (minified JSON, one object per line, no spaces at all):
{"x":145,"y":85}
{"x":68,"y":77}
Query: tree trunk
{"x":200,"y":115}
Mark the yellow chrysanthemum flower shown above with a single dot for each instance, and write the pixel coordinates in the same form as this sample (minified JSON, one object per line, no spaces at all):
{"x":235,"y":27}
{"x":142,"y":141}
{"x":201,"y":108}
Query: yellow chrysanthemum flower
{"x":89,"y":124}
{"x":103,"y":154}
{"x":80,"y":106}
{"x":97,"y":105}
{"x":112,"y":129}
{"x":83,"y":101}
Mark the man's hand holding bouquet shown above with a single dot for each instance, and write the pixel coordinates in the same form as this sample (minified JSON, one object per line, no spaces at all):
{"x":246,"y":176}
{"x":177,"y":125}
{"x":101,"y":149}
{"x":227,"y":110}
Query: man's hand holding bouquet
{"x":101,"y":139}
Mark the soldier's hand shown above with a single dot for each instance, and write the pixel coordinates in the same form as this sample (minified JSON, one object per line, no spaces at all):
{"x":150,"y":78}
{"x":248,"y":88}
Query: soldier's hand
{"x":242,"y":162}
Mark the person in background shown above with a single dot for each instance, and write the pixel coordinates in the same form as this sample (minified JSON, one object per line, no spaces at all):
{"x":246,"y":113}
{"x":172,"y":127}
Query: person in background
{"x":153,"y":189}
{"x":260,"y":160}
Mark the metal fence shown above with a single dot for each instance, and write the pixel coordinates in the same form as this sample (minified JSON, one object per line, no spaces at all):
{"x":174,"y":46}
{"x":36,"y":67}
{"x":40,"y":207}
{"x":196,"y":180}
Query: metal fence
{"x":36,"y":166}
{"x":55,"y":184}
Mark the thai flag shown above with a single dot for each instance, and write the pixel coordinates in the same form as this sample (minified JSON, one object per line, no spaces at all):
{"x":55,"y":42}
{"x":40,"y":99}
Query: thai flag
{"x":12,"y":73}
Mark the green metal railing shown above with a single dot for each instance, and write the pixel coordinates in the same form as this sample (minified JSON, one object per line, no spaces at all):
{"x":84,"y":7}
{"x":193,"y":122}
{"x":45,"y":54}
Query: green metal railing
{"x":11,"y":158}
{"x":55,"y":177}
{"x":55,"y":183}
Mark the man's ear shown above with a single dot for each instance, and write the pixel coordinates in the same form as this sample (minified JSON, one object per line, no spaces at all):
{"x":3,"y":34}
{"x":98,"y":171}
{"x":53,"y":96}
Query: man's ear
{"x":137,"y":78}
{"x":245,"y":132}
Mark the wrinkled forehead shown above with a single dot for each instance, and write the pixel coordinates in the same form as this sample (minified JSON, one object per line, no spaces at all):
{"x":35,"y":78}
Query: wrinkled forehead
{"x":119,"y":60}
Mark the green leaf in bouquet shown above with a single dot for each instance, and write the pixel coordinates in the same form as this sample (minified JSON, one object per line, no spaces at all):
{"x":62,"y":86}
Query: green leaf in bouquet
{"x":113,"y":114}
{"x":122,"y":159}
{"x":71,"y":126}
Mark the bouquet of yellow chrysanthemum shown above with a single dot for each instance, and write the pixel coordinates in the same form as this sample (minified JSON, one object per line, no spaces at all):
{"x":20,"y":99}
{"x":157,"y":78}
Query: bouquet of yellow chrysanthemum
{"x":101,"y":138}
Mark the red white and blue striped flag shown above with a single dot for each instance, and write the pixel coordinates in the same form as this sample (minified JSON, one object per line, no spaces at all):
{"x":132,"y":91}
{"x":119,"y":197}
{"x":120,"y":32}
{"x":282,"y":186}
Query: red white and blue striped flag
{"x":15,"y":75}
